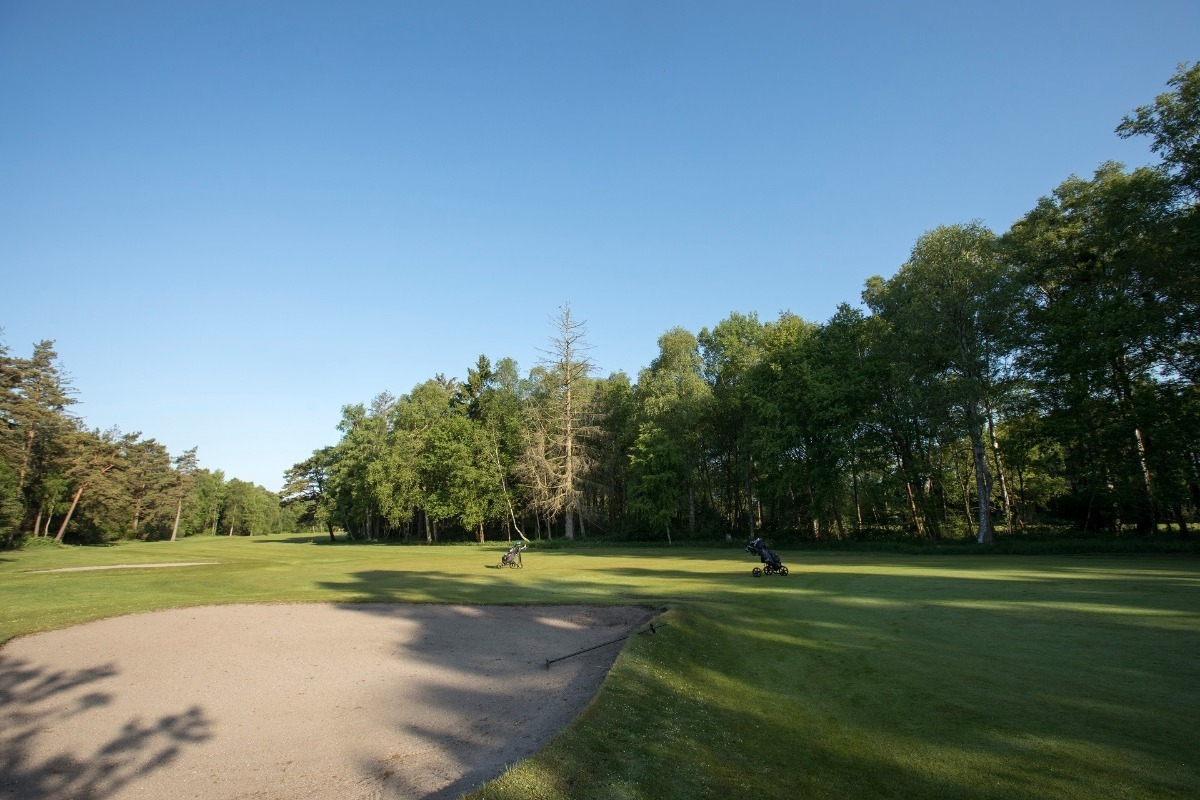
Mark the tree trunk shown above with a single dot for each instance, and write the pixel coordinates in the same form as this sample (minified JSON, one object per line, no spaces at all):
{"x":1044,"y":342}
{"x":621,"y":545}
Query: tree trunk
{"x":966,"y":495}
{"x":178,"y":513}
{"x":732,"y":511}
{"x":932,"y":521}
{"x":983,"y":476}
{"x":749,"y":498}
{"x":26,"y":452}
{"x":1010,"y":510}
{"x":1112,"y":491}
{"x":1146,"y":518}
{"x":568,"y":426}
{"x":691,"y":507}
{"x":911,"y":496}
{"x":837,"y":518}
{"x":37,"y":525}
{"x":854,"y":488}
{"x":1193,"y":484}
{"x":74,"y":502}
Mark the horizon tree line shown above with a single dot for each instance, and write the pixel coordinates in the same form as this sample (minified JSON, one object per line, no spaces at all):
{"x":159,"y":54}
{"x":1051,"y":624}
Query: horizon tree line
{"x":61,"y":481}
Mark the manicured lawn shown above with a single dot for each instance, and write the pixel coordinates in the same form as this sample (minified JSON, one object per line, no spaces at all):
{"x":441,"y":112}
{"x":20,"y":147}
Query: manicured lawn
{"x":858,"y":675}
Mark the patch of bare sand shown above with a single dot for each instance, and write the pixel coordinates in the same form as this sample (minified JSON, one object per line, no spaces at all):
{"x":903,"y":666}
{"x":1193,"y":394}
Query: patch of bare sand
{"x":294,"y":701}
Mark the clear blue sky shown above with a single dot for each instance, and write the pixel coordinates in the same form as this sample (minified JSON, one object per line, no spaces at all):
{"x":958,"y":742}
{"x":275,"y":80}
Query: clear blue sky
{"x":236,"y":217}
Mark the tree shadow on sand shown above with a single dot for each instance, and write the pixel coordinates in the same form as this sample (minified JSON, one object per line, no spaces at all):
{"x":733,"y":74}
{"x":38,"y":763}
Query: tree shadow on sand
{"x":34,"y":701}
{"x":470,"y":692}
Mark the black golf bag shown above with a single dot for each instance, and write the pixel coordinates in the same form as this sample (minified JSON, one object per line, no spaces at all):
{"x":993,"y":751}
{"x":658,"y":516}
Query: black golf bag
{"x":771,"y":563}
{"x":513,"y":557}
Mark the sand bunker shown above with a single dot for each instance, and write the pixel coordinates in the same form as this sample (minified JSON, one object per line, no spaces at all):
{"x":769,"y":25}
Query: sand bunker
{"x":294,"y":701}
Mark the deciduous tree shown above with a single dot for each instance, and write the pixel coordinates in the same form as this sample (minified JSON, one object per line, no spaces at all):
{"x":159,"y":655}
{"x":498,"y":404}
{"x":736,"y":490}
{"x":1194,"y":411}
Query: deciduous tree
{"x":949,"y":302}
{"x":186,"y":465}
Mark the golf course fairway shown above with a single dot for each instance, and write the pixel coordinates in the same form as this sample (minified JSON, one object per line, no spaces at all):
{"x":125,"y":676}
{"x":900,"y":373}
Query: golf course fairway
{"x":855,"y":676}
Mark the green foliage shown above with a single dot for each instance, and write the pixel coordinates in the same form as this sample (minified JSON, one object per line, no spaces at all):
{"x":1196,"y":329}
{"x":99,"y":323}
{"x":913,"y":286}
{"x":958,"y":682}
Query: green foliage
{"x":1173,"y":125}
{"x":11,"y":507}
{"x":459,"y":466}
{"x":305,"y":491}
{"x":41,"y":543}
{"x":673,"y":403}
{"x":1096,"y":333}
{"x":202,"y":511}
{"x":250,"y":510}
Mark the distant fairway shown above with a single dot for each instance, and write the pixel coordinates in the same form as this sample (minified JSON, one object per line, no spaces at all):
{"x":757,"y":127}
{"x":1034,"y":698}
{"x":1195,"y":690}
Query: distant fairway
{"x":855,"y":676}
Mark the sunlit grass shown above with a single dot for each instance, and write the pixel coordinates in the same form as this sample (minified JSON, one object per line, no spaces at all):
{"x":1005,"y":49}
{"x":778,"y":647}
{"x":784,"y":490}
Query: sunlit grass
{"x":858,"y":675}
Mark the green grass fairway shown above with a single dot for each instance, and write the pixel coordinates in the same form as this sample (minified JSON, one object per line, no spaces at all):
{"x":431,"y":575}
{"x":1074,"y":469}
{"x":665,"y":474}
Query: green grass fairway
{"x":858,"y":675}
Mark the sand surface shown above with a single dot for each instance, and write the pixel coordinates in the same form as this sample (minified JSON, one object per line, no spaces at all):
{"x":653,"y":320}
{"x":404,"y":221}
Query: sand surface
{"x":294,"y":701}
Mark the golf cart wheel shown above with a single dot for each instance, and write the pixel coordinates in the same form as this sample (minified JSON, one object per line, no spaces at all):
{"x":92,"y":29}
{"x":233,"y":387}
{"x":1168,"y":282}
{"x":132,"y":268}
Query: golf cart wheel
{"x":783,"y":570}
{"x":756,"y":572}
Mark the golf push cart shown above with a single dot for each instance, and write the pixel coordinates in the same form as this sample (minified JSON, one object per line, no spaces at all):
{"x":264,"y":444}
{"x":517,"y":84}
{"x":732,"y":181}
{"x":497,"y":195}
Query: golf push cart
{"x":513,"y":557}
{"x":771,"y":563}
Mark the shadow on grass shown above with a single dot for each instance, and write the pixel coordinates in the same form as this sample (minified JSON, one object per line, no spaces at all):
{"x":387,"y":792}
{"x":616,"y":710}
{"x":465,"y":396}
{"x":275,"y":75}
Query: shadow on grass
{"x":34,"y":701}
{"x":1047,"y":682}
{"x":1079,"y":671}
{"x":1054,"y":688}
{"x":693,"y":743}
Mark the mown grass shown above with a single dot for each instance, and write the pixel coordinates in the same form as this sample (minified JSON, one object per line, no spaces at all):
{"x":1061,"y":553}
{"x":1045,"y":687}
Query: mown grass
{"x":858,"y":675}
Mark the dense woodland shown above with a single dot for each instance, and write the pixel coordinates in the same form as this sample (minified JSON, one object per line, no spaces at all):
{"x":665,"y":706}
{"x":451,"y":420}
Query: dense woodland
{"x":1038,"y":379}
{"x":60,"y":480}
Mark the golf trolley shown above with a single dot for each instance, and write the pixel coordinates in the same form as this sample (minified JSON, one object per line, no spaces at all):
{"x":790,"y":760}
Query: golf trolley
{"x":513,"y":557}
{"x":771,"y":563}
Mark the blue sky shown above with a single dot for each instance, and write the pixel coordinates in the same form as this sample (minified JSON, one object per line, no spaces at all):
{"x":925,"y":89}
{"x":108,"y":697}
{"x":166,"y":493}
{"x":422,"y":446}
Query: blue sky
{"x":236,"y":217}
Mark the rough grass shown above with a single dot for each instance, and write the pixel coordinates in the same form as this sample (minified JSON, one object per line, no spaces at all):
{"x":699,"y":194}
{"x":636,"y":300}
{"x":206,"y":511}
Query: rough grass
{"x":858,"y":675}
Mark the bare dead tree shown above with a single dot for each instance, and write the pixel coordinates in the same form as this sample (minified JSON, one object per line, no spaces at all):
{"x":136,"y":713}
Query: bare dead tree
{"x":558,"y":458}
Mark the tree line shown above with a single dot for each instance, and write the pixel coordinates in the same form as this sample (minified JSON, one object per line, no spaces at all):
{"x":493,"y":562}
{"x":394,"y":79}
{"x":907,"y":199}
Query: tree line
{"x":63,"y":481}
{"x":1042,"y":376}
